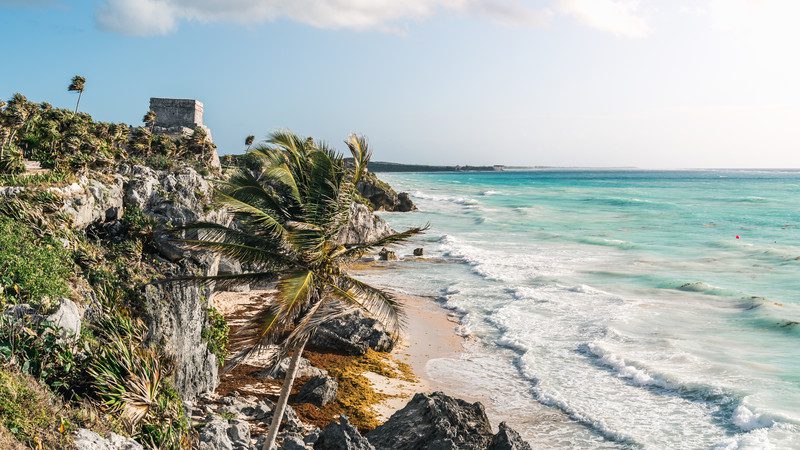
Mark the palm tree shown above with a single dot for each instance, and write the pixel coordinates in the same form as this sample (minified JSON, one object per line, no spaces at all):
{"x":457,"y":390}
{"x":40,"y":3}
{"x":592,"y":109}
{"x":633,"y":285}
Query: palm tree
{"x":248,"y":141}
{"x":149,"y":119}
{"x":359,"y":148}
{"x":290,"y":213}
{"x":77,"y":85}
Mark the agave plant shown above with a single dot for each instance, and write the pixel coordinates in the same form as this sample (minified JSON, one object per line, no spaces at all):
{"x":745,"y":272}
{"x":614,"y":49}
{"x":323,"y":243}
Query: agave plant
{"x":291,"y":212}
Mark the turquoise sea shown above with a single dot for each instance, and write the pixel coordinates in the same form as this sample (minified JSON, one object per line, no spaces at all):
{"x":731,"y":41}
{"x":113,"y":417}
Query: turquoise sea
{"x":617,"y":309}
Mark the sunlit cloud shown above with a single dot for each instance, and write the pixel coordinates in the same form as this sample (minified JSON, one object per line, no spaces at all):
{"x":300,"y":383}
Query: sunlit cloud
{"x":620,"y":17}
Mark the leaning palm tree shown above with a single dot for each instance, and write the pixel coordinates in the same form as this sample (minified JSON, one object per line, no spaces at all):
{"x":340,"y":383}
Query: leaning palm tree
{"x":77,"y":85}
{"x":290,"y":213}
{"x":248,"y":141}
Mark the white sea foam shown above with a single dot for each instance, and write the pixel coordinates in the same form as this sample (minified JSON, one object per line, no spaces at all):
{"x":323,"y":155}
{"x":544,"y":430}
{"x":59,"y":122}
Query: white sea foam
{"x":440,"y":198}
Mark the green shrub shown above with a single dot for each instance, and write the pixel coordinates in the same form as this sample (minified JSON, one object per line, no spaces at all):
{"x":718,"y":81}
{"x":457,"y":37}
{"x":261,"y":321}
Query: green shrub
{"x":32,"y":269}
{"x":215,"y":334}
{"x":131,"y":382}
{"x":28,"y":413}
{"x":38,"y":349}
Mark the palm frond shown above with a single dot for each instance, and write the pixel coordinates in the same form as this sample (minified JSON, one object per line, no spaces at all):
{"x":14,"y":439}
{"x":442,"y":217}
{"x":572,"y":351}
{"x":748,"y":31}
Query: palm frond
{"x":381,"y":305}
{"x":358,"y":250}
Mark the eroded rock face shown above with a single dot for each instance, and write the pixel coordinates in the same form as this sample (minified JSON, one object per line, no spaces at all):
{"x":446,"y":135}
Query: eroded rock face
{"x":364,"y":226}
{"x":318,"y":391}
{"x":352,"y":334}
{"x":89,"y":440}
{"x":221,"y":434}
{"x":341,"y":435}
{"x":175,"y":316}
{"x":90,"y":201}
{"x":507,"y":439}
{"x":434,"y":421}
{"x":382,"y":196}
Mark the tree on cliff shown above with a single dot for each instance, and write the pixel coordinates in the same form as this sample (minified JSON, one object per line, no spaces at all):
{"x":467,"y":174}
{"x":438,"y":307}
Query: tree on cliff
{"x":149,"y":119}
{"x":77,"y":85}
{"x":290,"y":213}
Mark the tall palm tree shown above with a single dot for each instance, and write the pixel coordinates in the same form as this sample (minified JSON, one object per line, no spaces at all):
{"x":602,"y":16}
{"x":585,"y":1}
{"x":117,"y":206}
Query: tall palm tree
{"x":290,"y":214}
{"x":248,"y":141}
{"x":77,"y":85}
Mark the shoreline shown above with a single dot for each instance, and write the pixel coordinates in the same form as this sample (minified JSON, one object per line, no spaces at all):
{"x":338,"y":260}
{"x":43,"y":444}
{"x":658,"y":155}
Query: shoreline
{"x":429,"y":334}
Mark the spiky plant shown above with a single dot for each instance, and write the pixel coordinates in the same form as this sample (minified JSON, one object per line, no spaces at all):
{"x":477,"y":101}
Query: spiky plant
{"x":78,"y":84}
{"x":291,"y":212}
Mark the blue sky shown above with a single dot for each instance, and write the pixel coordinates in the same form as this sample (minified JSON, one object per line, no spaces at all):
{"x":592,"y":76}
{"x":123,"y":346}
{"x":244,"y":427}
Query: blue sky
{"x":656,"y":84}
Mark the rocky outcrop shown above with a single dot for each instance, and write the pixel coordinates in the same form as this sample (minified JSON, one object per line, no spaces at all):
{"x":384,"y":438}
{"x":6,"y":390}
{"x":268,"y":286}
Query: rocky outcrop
{"x":67,"y":318}
{"x":507,"y":439}
{"x":89,"y":440}
{"x":318,"y":391}
{"x":352,"y":334}
{"x":364,"y":226}
{"x":221,"y":434}
{"x":341,"y":435}
{"x":438,"y":421}
{"x":382,"y":196}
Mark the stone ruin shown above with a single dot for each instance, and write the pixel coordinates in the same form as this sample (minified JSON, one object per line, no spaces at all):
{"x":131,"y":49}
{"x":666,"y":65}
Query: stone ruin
{"x":178,"y":117}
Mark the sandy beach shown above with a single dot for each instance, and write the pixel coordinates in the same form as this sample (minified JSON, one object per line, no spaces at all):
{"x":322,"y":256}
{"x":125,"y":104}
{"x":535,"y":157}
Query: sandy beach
{"x":428,"y":334}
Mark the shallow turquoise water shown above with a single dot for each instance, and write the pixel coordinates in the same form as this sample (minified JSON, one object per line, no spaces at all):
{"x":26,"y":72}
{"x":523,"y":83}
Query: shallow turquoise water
{"x":622,"y":300}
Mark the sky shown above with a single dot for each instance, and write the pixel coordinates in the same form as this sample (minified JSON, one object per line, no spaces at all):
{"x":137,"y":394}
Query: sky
{"x":590,"y":83}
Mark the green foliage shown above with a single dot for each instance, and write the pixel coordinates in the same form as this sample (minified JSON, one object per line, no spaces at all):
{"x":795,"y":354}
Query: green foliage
{"x":38,"y":349}
{"x":33,"y":269}
{"x":35,"y":179}
{"x":130,"y":381}
{"x":215,"y":334}
{"x":28,"y":413}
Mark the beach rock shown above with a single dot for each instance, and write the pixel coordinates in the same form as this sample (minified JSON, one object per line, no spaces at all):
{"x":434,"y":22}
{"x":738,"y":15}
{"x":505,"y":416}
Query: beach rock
{"x":381,"y":196}
{"x":507,"y":439}
{"x":221,"y":434}
{"x":352,"y":334}
{"x":418,"y":251}
{"x":89,"y":440}
{"x":341,"y":435}
{"x":318,"y":391}
{"x":67,"y":317}
{"x":293,"y":442}
{"x":304,"y":370}
{"x":386,"y":255}
{"x":404,"y":203}
{"x":434,"y":421}
{"x":364,"y":226}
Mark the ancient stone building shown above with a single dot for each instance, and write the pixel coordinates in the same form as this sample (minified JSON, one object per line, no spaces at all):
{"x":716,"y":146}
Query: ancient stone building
{"x":175,"y":112}
{"x":176,"y":117}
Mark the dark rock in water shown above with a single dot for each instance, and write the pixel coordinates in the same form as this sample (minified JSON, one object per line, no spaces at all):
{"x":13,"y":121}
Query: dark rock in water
{"x":418,"y":251}
{"x":352,"y":334}
{"x":382,"y":196}
{"x":319,"y":391}
{"x":507,"y":439}
{"x":789,"y":324}
{"x":386,"y":255}
{"x":404,"y":203}
{"x":695,"y":286}
{"x":434,"y":421}
{"x":341,"y":435}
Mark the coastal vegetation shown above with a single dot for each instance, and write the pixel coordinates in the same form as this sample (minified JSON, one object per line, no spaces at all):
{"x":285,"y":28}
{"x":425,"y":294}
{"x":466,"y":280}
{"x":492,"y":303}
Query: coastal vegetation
{"x":289,"y":215}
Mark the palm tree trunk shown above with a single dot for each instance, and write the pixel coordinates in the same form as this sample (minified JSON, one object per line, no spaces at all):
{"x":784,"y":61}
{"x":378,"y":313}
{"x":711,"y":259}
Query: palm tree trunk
{"x":286,"y":389}
{"x":80,"y":93}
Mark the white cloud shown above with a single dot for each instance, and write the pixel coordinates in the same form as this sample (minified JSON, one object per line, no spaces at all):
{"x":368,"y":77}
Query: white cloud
{"x":155,"y":17}
{"x":620,"y":17}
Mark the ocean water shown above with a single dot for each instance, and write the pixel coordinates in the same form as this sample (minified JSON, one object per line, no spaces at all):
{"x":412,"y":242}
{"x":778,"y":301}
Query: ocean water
{"x":617,"y":309}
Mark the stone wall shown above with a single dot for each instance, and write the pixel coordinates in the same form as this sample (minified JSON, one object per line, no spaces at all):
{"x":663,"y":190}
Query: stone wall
{"x":172,"y":112}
